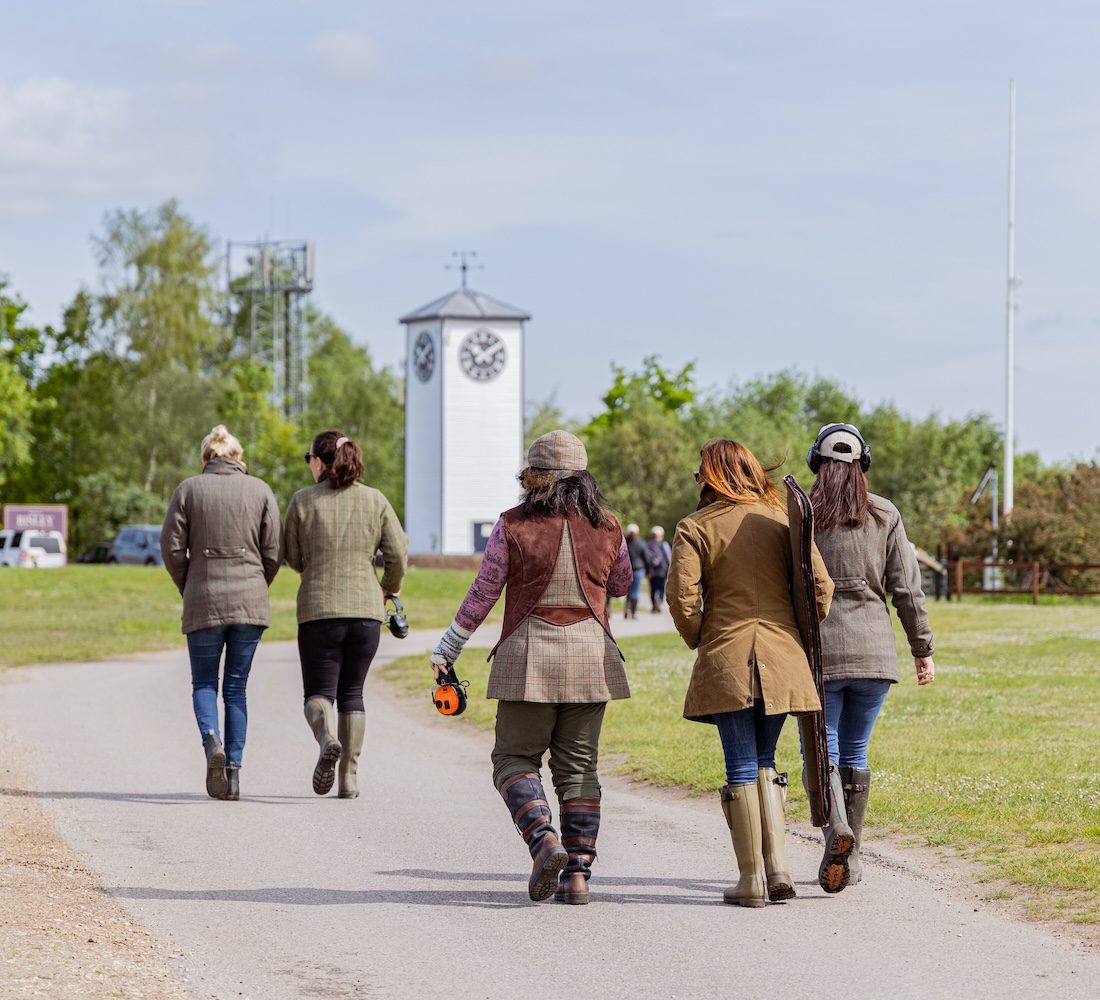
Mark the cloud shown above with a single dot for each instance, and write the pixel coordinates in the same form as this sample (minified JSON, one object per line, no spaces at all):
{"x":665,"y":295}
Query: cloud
{"x":346,"y":59}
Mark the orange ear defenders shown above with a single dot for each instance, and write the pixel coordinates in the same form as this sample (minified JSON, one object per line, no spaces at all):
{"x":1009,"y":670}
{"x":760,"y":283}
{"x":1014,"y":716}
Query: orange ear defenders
{"x":449,"y":697}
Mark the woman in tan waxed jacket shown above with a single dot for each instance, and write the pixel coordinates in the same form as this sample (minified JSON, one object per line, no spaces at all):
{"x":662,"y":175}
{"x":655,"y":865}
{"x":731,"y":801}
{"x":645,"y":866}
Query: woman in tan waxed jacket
{"x":729,"y":591}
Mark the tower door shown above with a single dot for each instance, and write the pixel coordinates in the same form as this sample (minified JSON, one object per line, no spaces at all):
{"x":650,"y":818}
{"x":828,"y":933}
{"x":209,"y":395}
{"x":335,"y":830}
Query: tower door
{"x":482,"y":531}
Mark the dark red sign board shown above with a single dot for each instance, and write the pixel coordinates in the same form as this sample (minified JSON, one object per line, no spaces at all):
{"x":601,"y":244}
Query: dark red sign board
{"x":37,"y":517}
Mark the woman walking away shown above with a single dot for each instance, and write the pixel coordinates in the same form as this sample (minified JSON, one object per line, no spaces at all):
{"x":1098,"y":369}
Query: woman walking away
{"x":332,"y":532}
{"x":863,"y":543}
{"x":556,"y":667}
{"x":639,"y":562}
{"x":220,"y":544}
{"x":729,"y":591}
{"x":660,"y":555}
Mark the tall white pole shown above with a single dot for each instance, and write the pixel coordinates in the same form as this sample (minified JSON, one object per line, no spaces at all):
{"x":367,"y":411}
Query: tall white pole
{"x":1010,"y":310}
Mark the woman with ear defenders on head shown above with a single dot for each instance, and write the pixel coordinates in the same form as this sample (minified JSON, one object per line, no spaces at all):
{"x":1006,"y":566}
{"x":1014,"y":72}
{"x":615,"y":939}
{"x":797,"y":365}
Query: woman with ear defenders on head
{"x":332,"y":532}
{"x":560,"y":553}
{"x":862,"y":540}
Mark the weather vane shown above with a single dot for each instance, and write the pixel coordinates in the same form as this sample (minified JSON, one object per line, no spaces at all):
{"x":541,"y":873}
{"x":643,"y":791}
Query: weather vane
{"x":464,"y":265}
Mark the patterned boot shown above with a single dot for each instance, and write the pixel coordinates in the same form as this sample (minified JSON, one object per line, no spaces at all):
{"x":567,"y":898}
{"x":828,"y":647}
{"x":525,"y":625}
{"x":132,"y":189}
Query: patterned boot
{"x":580,"y":825}
{"x":524,"y":796}
{"x":857,"y":786}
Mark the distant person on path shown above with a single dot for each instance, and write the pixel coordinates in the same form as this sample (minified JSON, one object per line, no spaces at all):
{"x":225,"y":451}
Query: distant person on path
{"x":220,"y":544}
{"x":639,"y":564}
{"x":729,"y":591}
{"x":331,"y":535}
{"x":560,"y":553}
{"x":660,"y":557}
{"x":863,"y":543}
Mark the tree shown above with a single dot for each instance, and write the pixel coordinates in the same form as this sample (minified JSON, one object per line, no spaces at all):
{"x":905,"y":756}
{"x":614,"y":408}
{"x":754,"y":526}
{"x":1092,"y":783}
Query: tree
{"x":20,"y":346}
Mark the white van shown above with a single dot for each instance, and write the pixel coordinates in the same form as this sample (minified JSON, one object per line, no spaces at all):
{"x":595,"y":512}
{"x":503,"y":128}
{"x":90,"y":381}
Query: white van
{"x":32,"y":549}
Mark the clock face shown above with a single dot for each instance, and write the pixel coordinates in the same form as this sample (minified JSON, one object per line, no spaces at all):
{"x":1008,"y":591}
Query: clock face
{"x":482,"y":355}
{"x":424,"y":356}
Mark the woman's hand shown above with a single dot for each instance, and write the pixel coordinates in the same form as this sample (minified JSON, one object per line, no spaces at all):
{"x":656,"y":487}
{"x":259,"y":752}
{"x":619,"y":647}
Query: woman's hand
{"x":439,"y":665}
{"x":396,"y":593}
{"x":926,"y":669}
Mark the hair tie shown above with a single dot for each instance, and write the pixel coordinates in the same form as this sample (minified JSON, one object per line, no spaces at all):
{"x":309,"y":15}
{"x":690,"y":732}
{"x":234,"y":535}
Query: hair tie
{"x":341,"y":441}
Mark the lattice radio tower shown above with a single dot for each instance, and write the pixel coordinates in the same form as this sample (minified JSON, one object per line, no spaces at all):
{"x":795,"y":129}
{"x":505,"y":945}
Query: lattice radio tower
{"x":270,"y":280}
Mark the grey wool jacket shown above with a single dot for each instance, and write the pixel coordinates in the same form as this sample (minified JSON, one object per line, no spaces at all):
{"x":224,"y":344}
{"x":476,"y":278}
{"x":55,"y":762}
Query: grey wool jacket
{"x":869,"y":564}
{"x":220,"y":543}
{"x":330,"y":536}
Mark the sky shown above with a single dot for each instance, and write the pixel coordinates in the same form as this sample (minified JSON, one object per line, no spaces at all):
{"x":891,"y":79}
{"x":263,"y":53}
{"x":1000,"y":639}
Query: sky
{"x":751,"y":186}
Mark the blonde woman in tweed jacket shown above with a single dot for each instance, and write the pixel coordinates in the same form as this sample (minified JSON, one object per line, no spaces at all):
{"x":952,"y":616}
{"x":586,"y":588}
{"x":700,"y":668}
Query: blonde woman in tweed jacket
{"x":331,"y":535}
{"x":560,"y":554}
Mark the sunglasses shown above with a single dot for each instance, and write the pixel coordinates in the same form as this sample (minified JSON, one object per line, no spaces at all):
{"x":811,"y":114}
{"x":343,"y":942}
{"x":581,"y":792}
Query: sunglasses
{"x":698,"y":476}
{"x":309,"y":456}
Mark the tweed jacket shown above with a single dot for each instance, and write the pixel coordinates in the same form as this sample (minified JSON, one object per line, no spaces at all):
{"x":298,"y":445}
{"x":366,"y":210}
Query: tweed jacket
{"x":331,"y":536}
{"x":729,"y":592}
{"x":220,"y":544}
{"x":540,"y":661}
{"x":867,"y":564}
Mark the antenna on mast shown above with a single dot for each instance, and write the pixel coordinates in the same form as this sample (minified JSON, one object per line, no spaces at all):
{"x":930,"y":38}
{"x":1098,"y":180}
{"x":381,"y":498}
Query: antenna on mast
{"x":1010,"y":309}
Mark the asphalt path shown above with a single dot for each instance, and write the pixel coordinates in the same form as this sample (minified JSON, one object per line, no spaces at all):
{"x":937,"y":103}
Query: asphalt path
{"x":418,"y":888}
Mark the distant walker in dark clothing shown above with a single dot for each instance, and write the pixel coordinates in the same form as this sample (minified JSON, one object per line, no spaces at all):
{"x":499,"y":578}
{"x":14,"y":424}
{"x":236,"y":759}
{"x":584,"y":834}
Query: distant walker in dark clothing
{"x":660,"y":557}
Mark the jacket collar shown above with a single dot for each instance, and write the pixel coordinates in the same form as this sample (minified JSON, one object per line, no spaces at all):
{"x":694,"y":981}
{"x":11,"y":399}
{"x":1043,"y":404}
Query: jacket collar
{"x":225,"y":467}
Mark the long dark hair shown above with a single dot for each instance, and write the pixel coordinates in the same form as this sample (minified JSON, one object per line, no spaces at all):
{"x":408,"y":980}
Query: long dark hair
{"x":839,"y":496}
{"x":343,"y":464}
{"x":545,"y":492}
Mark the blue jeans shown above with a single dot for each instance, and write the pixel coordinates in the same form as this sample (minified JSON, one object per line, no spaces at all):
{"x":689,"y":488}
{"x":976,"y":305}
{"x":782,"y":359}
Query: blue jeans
{"x":748,"y":741}
{"x":205,"y":648}
{"x":636,"y":586}
{"x":851,"y":708}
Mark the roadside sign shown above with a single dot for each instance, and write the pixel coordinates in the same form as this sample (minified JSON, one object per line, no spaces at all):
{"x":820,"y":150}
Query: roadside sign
{"x":37,"y":517}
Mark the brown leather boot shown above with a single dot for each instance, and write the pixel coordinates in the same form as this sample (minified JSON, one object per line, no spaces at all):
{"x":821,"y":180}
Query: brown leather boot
{"x":580,"y":826}
{"x":774,"y":826}
{"x":833,"y":874}
{"x":741,"y":806}
{"x":525,"y":798}
{"x":857,"y":786}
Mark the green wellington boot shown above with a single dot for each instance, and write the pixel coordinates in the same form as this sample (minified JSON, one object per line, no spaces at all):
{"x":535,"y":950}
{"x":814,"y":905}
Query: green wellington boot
{"x":321,"y":715}
{"x":774,"y":825}
{"x":857,"y":785}
{"x":352,"y":729}
{"x":741,"y":806}
{"x":833,"y":874}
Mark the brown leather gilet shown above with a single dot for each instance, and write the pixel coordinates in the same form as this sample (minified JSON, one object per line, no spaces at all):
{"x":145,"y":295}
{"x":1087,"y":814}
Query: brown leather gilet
{"x":533,"y":546}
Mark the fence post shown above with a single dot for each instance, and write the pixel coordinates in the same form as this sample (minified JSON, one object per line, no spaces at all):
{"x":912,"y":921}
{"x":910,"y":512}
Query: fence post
{"x":958,"y":580}
{"x":1034,"y":583}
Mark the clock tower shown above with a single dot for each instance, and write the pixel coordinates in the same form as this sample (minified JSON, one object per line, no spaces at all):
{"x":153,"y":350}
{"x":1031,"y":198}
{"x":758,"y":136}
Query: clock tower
{"x":463,"y":420}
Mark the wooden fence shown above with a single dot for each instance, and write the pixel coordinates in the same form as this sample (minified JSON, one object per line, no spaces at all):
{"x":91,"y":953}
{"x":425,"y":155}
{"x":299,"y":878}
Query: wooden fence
{"x":1066,"y":579}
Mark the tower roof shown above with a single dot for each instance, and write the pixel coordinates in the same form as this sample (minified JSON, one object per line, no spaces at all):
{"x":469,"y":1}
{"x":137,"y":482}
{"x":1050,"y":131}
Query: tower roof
{"x":465,"y":303}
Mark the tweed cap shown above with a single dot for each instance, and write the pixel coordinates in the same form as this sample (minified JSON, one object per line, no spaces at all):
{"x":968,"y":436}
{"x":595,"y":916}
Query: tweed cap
{"x":558,"y":451}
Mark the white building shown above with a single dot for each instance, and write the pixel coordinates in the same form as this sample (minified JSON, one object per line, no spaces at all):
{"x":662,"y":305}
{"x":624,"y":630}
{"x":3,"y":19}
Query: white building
{"x":463,"y":420}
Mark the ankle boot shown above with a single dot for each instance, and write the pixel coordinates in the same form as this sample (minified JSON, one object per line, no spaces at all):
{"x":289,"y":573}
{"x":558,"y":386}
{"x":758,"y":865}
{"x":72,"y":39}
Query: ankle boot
{"x":215,"y":765}
{"x":321,"y":715}
{"x":232,"y":783}
{"x":741,"y":806}
{"x":857,"y":786}
{"x":353,"y":728}
{"x":580,"y":826}
{"x":833,"y":873}
{"x":526,"y":801}
{"x":773,"y":822}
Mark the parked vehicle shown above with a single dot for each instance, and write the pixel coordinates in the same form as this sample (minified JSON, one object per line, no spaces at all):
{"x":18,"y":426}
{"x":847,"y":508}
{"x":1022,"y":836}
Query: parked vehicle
{"x":137,"y":545}
{"x":98,"y":553}
{"x":32,"y":549}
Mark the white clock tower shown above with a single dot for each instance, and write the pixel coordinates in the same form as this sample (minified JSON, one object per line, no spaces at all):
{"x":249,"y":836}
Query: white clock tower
{"x":463,"y":420}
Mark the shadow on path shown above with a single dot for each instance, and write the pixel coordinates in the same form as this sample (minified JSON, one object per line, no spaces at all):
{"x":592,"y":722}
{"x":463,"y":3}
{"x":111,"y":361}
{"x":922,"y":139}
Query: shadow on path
{"x":156,"y":798}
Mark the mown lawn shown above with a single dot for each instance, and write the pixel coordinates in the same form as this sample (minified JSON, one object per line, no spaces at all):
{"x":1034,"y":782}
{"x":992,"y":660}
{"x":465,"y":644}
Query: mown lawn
{"x":91,"y":612}
{"x":1000,"y":758}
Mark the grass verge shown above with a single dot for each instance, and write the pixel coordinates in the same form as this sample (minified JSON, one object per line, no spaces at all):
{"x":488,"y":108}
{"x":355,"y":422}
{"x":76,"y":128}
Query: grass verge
{"x":998,"y":759}
{"x":92,"y":612}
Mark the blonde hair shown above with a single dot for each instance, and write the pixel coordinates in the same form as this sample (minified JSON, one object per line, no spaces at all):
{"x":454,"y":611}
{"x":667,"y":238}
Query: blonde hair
{"x":219,"y":443}
{"x":735,"y":474}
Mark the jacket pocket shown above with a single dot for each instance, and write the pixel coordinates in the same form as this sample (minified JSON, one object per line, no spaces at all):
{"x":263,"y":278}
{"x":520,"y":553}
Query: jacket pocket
{"x":849,"y":584}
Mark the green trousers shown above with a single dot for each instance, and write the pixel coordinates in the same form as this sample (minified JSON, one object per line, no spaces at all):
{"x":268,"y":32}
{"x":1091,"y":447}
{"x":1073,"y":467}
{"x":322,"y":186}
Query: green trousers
{"x":526,"y":730}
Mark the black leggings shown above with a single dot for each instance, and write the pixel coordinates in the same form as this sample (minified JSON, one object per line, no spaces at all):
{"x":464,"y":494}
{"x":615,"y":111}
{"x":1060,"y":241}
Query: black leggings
{"x":336,"y":654}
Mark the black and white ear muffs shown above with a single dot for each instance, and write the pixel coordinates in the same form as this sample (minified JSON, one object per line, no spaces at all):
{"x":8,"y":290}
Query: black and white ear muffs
{"x":814,"y":456}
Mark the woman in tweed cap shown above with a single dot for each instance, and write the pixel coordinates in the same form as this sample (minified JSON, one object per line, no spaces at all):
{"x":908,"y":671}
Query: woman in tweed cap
{"x":560,"y":553}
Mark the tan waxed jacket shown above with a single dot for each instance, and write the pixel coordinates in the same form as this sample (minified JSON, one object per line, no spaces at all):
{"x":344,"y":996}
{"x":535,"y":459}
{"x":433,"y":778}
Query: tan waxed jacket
{"x":729,"y":591}
{"x":220,"y":544}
